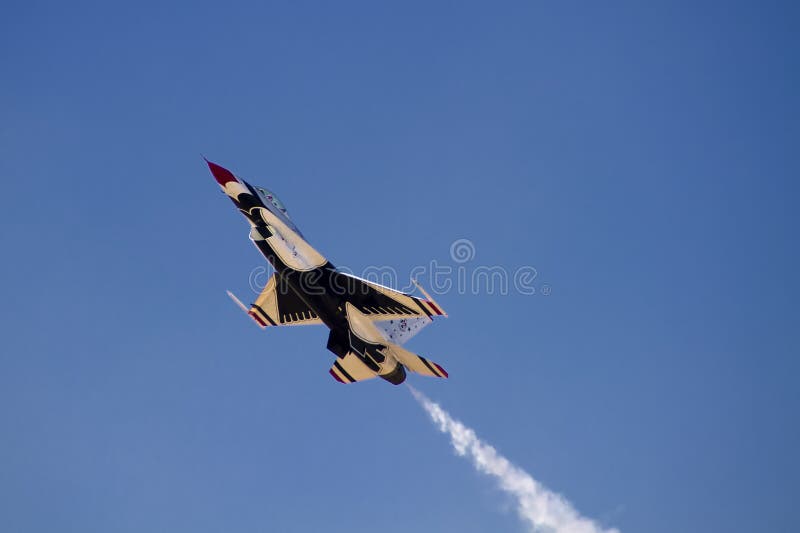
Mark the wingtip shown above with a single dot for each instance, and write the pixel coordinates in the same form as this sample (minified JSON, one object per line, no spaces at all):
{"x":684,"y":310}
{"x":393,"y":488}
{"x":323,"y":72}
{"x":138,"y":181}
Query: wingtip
{"x":434,"y":305}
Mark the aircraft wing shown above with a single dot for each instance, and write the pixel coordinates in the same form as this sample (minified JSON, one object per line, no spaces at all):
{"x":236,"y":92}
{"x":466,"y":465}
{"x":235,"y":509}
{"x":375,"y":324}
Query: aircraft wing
{"x":382,"y":303}
{"x":279,"y":305}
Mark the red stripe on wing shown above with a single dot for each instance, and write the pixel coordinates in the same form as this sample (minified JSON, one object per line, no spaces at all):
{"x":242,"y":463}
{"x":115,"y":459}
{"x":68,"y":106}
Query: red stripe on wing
{"x":433,"y":306}
{"x":257,"y":319}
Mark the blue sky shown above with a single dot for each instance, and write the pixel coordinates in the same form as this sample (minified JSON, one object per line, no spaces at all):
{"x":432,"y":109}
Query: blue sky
{"x":641,"y":156}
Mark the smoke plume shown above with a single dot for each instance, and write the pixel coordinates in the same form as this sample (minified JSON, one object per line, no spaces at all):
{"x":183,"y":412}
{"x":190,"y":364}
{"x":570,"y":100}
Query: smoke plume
{"x":540,"y":508}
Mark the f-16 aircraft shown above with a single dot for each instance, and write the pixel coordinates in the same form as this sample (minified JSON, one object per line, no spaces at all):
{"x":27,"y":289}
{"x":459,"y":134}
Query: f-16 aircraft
{"x":368,"y":322}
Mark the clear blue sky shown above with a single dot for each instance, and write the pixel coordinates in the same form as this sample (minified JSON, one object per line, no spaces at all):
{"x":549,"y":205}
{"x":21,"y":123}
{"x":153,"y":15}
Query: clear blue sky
{"x":642,"y":156}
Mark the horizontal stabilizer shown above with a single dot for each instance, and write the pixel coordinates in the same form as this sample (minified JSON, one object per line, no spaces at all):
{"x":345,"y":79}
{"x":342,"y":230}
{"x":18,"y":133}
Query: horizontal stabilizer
{"x":350,"y":369}
{"x":417,"y":363}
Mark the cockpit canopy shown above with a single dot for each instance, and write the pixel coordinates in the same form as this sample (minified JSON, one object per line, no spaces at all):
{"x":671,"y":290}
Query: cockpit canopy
{"x":268,"y":197}
{"x":274,"y":200}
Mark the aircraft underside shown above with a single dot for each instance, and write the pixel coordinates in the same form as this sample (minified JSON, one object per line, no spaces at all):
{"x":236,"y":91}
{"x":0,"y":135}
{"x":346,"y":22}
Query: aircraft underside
{"x":368,"y":322}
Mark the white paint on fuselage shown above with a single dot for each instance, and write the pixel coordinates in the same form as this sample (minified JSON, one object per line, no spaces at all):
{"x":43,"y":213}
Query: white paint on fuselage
{"x":364,"y":328}
{"x":290,"y":247}
{"x":234,"y":189}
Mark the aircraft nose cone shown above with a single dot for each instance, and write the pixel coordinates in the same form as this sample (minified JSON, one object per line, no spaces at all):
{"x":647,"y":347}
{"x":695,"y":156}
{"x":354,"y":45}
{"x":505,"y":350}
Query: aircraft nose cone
{"x":222,"y":175}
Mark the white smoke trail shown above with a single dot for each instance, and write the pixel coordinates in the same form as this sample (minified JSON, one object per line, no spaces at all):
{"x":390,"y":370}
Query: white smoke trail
{"x":542,"y":509}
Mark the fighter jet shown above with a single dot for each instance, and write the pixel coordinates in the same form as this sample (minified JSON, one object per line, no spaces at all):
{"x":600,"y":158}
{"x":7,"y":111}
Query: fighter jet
{"x":368,"y":322}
